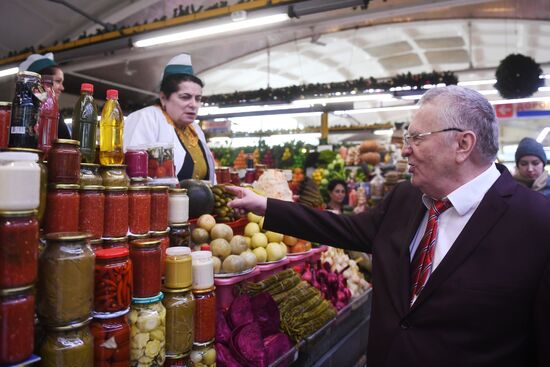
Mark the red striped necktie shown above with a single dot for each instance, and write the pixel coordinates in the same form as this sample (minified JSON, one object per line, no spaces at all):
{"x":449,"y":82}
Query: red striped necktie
{"x":421,"y":265}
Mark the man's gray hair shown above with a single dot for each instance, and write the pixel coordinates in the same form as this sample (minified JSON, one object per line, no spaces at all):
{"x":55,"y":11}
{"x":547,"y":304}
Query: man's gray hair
{"x":467,"y":109}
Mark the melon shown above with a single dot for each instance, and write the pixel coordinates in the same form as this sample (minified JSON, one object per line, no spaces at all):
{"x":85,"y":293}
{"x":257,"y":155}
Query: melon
{"x":201,"y":198}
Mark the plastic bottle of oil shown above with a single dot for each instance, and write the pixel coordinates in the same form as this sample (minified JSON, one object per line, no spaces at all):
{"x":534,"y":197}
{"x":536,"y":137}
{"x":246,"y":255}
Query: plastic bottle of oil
{"x":85,"y":123}
{"x":110,"y":134}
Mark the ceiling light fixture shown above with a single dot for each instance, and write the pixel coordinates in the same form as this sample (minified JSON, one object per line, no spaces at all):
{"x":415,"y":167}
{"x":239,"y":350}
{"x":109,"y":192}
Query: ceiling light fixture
{"x":9,"y":71}
{"x":212,"y":30}
{"x":344,"y":99}
{"x":477,"y":82}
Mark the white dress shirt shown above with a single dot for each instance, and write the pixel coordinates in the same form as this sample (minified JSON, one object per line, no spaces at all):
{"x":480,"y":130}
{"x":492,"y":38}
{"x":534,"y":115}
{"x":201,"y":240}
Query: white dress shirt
{"x":465,"y":201}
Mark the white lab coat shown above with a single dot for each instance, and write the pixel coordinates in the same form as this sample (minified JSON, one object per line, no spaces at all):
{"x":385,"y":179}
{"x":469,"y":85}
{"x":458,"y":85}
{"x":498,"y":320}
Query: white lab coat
{"x":148,"y":125}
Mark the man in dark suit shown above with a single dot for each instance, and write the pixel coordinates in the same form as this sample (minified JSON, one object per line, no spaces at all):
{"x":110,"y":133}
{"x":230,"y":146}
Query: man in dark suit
{"x":480,"y":296}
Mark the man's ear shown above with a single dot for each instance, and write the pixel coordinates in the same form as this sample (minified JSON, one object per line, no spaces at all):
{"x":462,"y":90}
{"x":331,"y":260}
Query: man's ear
{"x":466,"y":144}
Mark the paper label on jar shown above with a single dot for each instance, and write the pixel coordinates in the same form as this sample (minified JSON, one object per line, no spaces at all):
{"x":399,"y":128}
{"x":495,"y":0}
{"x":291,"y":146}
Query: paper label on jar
{"x":18,"y":130}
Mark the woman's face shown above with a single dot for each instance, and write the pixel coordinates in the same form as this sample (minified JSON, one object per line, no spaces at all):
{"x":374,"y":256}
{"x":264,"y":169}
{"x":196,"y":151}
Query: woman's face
{"x":338,"y":194}
{"x":182,"y":106}
{"x":58,"y":79}
{"x":530,"y":167}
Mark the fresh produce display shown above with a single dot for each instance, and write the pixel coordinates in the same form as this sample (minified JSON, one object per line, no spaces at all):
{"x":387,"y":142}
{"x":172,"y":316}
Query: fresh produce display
{"x":331,"y":284}
{"x":309,"y":194}
{"x":274,"y":185}
{"x":339,"y":262}
{"x":221,"y":198}
{"x":201,"y":198}
{"x":268,"y":245}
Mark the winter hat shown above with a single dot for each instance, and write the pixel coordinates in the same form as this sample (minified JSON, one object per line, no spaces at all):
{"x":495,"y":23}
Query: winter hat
{"x":180,"y":64}
{"x":36,"y":62}
{"x":529,"y":146}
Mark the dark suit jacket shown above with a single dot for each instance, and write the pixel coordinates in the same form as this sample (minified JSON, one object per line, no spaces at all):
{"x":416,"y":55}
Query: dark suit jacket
{"x":486,"y":304}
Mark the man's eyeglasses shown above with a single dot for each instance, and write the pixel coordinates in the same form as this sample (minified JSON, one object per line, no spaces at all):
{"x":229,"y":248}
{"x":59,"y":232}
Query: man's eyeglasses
{"x":416,"y":138}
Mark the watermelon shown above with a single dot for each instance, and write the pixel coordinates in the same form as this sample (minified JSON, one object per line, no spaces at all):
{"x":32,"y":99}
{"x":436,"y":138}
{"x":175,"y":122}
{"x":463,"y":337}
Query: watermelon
{"x":201,"y":198}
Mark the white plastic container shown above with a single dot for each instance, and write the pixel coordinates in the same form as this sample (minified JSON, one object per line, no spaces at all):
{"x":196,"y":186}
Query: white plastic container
{"x":178,"y":206}
{"x":19,"y":181}
{"x":203,"y":269}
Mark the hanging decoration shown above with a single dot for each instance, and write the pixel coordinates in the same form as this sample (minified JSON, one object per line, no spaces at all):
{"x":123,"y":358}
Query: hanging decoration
{"x":518,"y":76}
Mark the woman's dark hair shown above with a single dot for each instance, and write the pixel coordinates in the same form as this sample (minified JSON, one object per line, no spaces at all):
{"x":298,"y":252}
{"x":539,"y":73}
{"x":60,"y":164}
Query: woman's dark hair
{"x":170,"y":83}
{"x":50,"y":70}
{"x":333,"y":183}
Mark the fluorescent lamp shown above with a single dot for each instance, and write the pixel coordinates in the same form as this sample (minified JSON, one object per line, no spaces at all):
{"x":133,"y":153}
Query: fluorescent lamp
{"x":542,"y":134}
{"x":355,"y":98}
{"x":215,"y":110}
{"x":477,"y":82}
{"x":383,"y":132}
{"x":412,"y":97}
{"x":9,"y":71}
{"x":544,"y":89}
{"x":488,"y":92}
{"x":378,"y":109}
{"x":212,"y":30}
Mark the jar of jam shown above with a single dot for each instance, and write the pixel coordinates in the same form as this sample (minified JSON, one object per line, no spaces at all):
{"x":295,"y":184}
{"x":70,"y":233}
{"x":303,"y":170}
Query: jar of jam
{"x":5,"y":116}
{"x":249,"y":176}
{"x":115,"y":242}
{"x":137,"y":160}
{"x":111,"y":333}
{"x":62,"y":208}
{"x":17,"y":168}
{"x":178,"y":206}
{"x":16,"y":324}
{"x":113,"y":280}
{"x":64,"y":162}
{"x":139,"y":209}
{"x":18,"y":248}
{"x":68,"y":345}
{"x":65,"y":279}
{"x":159,"y":208}
{"x":203,"y":355}
{"x":145,"y":256}
{"x":116,"y":211}
{"x":96,"y":244}
{"x":235,"y":179}
{"x":205,"y":315}
{"x":180,"y":313}
{"x":92,"y":207}
{"x":114,"y":175}
{"x":164,"y":244}
{"x":179,"y":234}
{"x":179,"y":272}
{"x":147,"y":329}
{"x":203,"y":270}
{"x":89,"y":174}
{"x":178,"y":360}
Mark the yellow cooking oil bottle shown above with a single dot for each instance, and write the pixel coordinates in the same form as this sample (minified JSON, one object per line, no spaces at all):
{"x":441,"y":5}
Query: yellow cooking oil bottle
{"x":110,"y":131}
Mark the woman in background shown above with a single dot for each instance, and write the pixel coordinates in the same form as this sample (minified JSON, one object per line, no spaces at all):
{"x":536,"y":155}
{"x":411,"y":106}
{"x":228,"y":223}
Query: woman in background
{"x":530,"y":162}
{"x":337,"y":191}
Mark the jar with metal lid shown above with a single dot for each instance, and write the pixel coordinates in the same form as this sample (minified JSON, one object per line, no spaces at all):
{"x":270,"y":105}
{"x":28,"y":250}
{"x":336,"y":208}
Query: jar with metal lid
{"x":203,"y":354}
{"x":147,"y":329}
{"x":89,"y":174}
{"x":113,"y":280}
{"x":16,"y":324}
{"x":64,"y":162}
{"x":65,"y":279}
{"x":96,"y":244}
{"x":114,"y":175}
{"x":5,"y":116}
{"x":137,"y":160}
{"x":18,"y":248}
{"x":139,"y":209}
{"x":180,"y":313}
{"x":62,"y":208}
{"x":133,"y":237}
{"x":178,"y":206}
{"x":180,"y":234}
{"x":115,"y":222}
{"x":205,"y":314}
{"x":92,"y":208}
{"x":179,"y":272}
{"x":178,"y":360}
{"x":138,"y":181}
{"x":16,"y":168}
{"x":203,"y":270}
{"x":145,"y":256}
{"x":115,"y":242}
{"x":111,"y":333}
{"x":164,"y":244}
{"x":68,"y":345}
{"x":159,"y":208}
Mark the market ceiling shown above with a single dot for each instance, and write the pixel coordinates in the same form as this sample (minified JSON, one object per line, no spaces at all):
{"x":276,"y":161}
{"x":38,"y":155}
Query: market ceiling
{"x":390,"y":37}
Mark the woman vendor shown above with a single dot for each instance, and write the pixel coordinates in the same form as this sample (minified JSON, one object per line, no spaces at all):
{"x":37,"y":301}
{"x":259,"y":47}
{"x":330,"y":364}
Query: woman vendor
{"x":172,"y":120}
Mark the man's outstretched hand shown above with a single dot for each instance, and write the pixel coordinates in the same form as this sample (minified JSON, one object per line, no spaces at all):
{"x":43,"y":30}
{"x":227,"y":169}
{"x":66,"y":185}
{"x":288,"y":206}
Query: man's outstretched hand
{"x":246,"y":201}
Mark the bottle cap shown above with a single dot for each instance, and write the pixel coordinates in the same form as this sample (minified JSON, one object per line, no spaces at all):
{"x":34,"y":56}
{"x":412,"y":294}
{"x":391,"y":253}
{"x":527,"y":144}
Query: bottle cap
{"x":87,"y":87}
{"x":178,"y":251}
{"x":112,"y":94}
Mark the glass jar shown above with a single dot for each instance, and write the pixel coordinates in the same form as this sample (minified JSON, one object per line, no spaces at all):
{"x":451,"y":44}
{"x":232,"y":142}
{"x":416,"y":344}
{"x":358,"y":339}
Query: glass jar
{"x":48,"y":117}
{"x":89,"y":174}
{"x":180,"y":312}
{"x":111,"y":333}
{"x":235,"y":179}
{"x":68,"y":345}
{"x":178,"y":206}
{"x":65,"y":279}
{"x":92,"y":208}
{"x":113,"y":280}
{"x":164,"y":239}
{"x":161,"y":161}
{"x":145,"y":256}
{"x":114,"y":175}
{"x":16,"y":324}
{"x":29,"y":95}
{"x":179,"y":234}
{"x":18,"y":248}
{"x":179,"y":273}
{"x":133,"y":237}
{"x":249,"y":176}
{"x":137,"y":160}
{"x":159,"y":208}
{"x":115,"y":242}
{"x":203,"y":270}
{"x":43,"y":190}
{"x":64,"y":162}
{"x":203,"y":355}
{"x":62,"y":208}
{"x":138,"y":181}
{"x":116,"y":212}
{"x":179,"y":360}
{"x":139,"y":209}
{"x":147,"y":329}
{"x":96,"y":244}
{"x":15,"y":168}
{"x":5,"y":116}
{"x":205,"y":315}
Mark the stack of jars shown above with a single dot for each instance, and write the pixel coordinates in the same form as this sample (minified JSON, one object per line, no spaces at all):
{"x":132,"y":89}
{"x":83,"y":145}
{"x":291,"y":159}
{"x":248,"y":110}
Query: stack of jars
{"x":19,"y":232}
{"x":178,"y":217}
{"x":205,"y":309}
{"x":179,"y":303}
